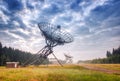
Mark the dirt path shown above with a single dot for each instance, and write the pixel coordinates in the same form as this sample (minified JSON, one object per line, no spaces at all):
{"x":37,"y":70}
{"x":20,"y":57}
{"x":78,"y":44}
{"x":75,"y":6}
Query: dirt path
{"x":90,"y":67}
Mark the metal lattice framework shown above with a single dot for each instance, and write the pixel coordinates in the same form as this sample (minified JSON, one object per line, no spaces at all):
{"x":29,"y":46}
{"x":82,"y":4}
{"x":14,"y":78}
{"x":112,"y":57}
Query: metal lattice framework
{"x":54,"y":36}
{"x":68,"y":58}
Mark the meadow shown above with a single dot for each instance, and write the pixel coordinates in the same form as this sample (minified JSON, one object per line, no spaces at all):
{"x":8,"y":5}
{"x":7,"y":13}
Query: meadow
{"x":56,"y":73}
{"x":115,"y":67}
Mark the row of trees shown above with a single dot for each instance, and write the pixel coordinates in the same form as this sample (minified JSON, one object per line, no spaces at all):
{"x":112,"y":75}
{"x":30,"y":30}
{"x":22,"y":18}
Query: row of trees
{"x":111,"y":57}
{"x":8,"y":54}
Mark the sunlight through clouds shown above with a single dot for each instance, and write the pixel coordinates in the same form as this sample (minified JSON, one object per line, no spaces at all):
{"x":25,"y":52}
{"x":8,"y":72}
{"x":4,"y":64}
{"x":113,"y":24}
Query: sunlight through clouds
{"x":94,"y":24}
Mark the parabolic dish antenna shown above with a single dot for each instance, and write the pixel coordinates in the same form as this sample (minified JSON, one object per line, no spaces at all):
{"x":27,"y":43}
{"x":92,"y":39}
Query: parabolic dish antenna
{"x":68,"y":58}
{"x":54,"y":35}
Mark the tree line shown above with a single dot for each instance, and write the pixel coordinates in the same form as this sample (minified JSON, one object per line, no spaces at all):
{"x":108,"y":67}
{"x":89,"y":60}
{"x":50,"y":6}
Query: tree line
{"x":8,"y":54}
{"x":111,"y":57}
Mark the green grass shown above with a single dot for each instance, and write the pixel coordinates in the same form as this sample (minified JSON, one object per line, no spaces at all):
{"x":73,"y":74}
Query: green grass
{"x":54,"y":73}
{"x":106,"y":66}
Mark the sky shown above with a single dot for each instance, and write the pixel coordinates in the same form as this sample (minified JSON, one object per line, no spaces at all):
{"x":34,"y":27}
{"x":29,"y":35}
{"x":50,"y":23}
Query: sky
{"x":94,"y":24}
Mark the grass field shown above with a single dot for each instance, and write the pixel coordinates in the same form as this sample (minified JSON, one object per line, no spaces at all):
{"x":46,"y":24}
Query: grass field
{"x":106,"y":66}
{"x":55,"y":73}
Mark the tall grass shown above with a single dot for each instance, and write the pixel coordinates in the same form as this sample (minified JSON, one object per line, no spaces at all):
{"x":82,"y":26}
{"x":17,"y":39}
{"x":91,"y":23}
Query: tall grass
{"x":54,"y":73}
{"x":106,"y":66}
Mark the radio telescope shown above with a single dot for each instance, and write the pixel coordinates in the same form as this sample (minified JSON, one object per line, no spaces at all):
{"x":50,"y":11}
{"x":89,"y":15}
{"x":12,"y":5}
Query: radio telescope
{"x":54,"y":36}
{"x":68,"y":58}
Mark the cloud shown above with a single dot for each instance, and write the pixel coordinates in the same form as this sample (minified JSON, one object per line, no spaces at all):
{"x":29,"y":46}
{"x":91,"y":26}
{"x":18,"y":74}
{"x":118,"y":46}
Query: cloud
{"x":93,"y":23}
{"x":14,"y":5}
